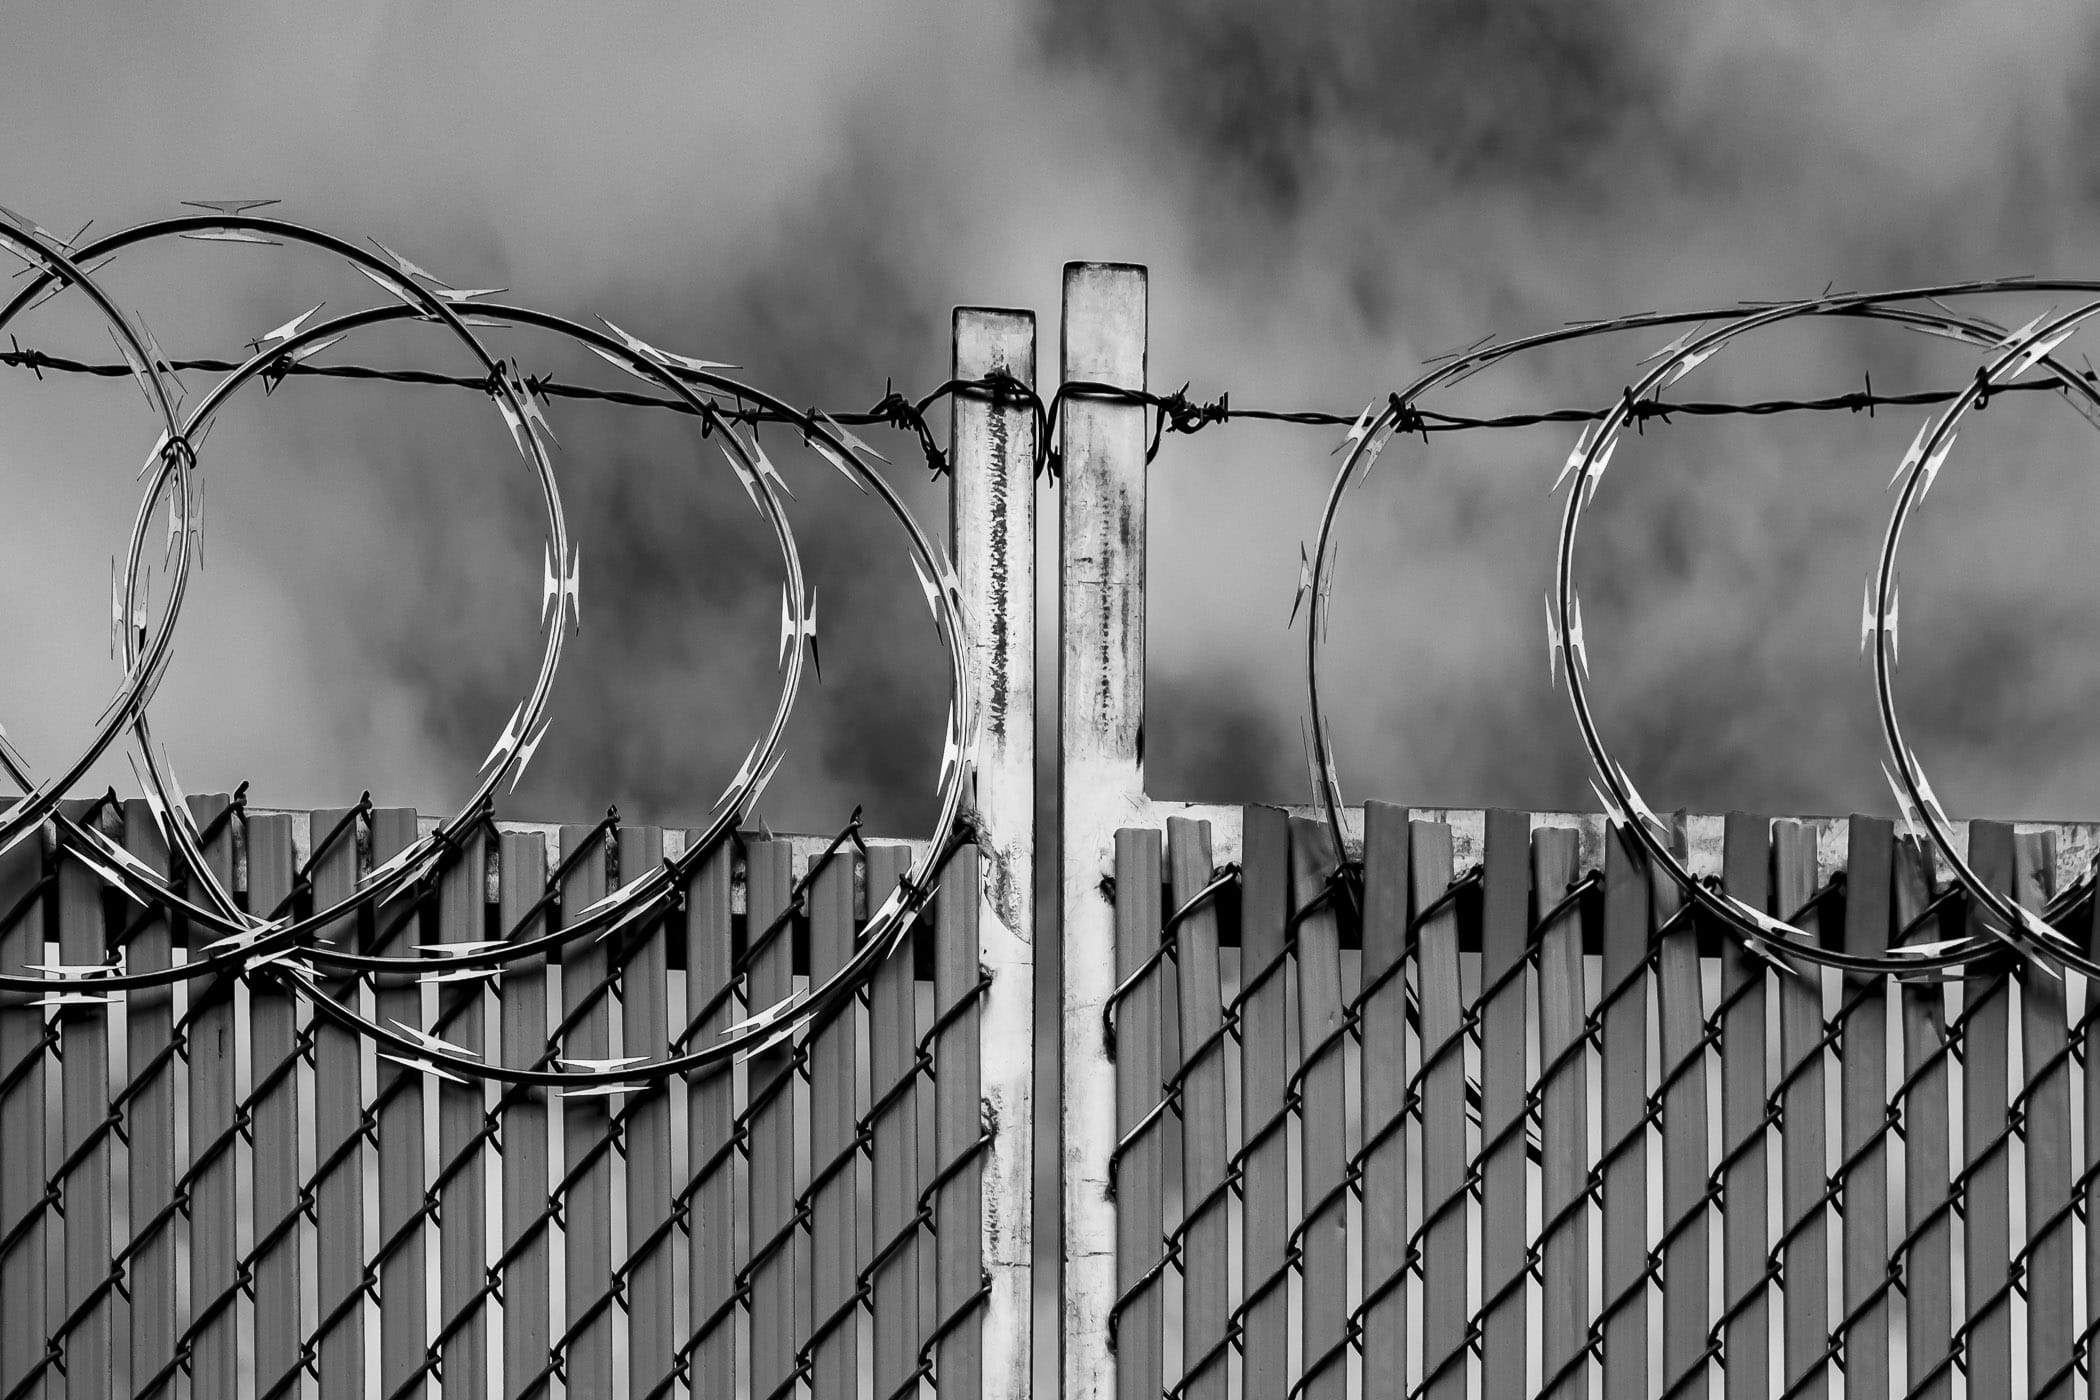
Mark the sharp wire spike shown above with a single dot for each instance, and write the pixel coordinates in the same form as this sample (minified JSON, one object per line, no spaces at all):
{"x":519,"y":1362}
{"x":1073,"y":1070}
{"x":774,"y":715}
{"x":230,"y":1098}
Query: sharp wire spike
{"x":765,"y":470}
{"x":290,"y":328}
{"x":1913,"y":454}
{"x":1934,"y":462}
{"x":507,"y":740}
{"x":308,"y":351}
{"x":409,"y":268}
{"x":563,"y":591}
{"x":526,"y":749}
{"x":421,"y":1066}
{"x":430,"y":1040}
{"x":232,"y":208}
{"x":1583,"y":440}
{"x":1683,"y":339}
{"x":1305,"y":583}
{"x":599,"y":1066}
{"x":2012,"y":338}
{"x":1553,"y":647}
{"x":743,"y":475}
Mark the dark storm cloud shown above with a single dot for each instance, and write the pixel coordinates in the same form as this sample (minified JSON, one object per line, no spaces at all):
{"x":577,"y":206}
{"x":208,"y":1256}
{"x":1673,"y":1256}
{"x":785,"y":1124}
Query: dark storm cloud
{"x":1324,"y":194}
{"x":1526,"y":92}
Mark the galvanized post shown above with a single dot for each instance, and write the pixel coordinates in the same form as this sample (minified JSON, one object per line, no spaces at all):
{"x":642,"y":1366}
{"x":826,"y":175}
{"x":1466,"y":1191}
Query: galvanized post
{"x":1101,"y":771}
{"x":992,"y":524}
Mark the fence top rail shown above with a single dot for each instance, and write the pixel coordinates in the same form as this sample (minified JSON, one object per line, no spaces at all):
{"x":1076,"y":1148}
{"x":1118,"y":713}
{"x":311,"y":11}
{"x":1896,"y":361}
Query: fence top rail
{"x":2077,"y":842}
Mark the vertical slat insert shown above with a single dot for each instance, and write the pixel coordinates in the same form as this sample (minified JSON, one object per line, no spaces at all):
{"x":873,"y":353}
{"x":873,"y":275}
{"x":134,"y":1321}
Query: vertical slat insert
{"x":24,"y":904}
{"x":1623,"y":1084}
{"x":274,"y":1040}
{"x":214,"y":1053}
{"x":1444,"y":1156}
{"x":339,"y":1137}
{"x":1505,"y":939}
{"x":1265,"y":892}
{"x":149,"y":1117}
{"x":1805,"y":1249}
{"x":528,"y":1280}
{"x":834,"y":1319}
{"x":1928,"y":1264}
{"x":83,"y":1037}
{"x":1746,"y":874}
{"x":586,"y":1128}
{"x":1686,"y":1242}
{"x":1388,"y":905}
{"x":403,"y":1270}
{"x":1564,"y":1150}
{"x":463,"y":1311}
{"x":772,"y":1133}
{"x":1206,"y":1272}
{"x":1138,"y":1180}
{"x":957,"y":1125}
{"x":645,"y":987}
{"x":1863,"y":1174}
{"x":893,"y":1080}
{"x":2045,"y":1109}
{"x":1986,"y":1135}
{"x":1323,"y":1116}
{"x":710,"y":1130}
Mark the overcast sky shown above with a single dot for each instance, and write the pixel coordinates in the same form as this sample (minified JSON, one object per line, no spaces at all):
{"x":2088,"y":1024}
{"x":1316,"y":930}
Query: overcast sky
{"x":1324,"y":195}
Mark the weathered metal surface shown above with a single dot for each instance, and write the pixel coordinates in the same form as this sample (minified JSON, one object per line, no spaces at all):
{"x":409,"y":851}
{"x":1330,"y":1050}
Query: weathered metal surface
{"x":1101,"y":720}
{"x":993,"y":518}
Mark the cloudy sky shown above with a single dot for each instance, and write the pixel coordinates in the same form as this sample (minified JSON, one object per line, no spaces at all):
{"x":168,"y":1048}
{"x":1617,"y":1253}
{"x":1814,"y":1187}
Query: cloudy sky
{"x":1324,"y":195}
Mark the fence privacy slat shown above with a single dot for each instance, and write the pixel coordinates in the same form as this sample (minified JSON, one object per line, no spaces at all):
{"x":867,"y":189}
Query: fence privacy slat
{"x":1443,"y":1077}
{"x":1137,"y":1177}
{"x":586,"y":1122}
{"x":1322,"y":1116}
{"x":893,"y":1078}
{"x":403,"y":1272}
{"x":2091,"y":1173}
{"x":528,"y":1281}
{"x":958,"y":1124}
{"x":645,"y":1004}
{"x":214,"y":1054}
{"x":1746,"y":874}
{"x":1681,"y":1024}
{"x":462,"y":1165}
{"x":1986,"y":1138}
{"x":1622,"y":1005}
{"x":1928,"y":1264}
{"x":2046,"y":1112}
{"x":274,"y":1030}
{"x":1206,"y":1272}
{"x":1864,"y":1166}
{"x":339,"y":1139}
{"x":1564,"y":1149}
{"x":1265,"y":893}
{"x":1805,"y":1251}
{"x":1383,"y":1092}
{"x":2092,"y":1140}
{"x":83,"y":1041}
{"x":834,"y":1330}
{"x":772,"y":1134}
{"x":710,"y":1130}
{"x":1505,"y":939}
{"x":22,"y":1100}
{"x":149,"y":1028}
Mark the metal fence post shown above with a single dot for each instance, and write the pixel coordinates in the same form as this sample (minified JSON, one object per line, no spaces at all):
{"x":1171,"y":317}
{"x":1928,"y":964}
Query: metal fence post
{"x":1101,"y":771}
{"x":992,"y":536}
